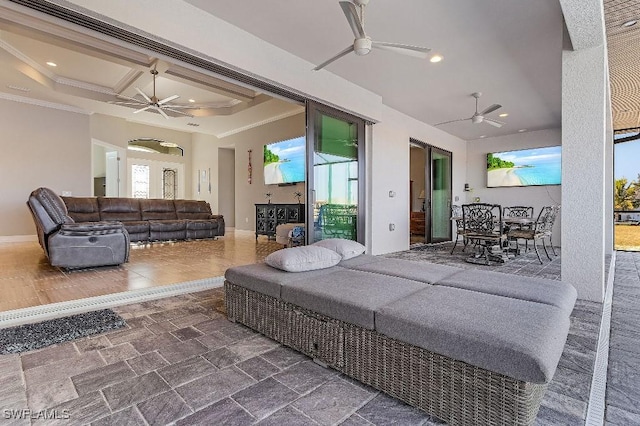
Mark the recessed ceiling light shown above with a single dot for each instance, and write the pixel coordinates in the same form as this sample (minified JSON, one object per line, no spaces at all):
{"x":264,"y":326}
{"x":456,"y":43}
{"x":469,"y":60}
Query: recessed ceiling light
{"x":522,"y":130}
{"x":436,"y":58}
{"x":630,"y":23}
{"x":192,"y":100}
{"x":52,"y":64}
{"x":504,"y":114}
{"x":483,"y":136}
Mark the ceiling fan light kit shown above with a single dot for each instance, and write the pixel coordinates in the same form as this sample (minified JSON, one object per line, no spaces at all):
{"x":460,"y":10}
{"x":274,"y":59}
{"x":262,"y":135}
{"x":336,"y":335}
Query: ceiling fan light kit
{"x":362,"y":44}
{"x":152,"y":102}
{"x":479,"y":117}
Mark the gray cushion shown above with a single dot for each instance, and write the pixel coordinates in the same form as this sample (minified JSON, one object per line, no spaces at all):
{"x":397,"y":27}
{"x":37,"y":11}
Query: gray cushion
{"x":350,"y":296}
{"x":359,"y":260}
{"x":302,"y":259}
{"x":345,"y":248}
{"x":418,"y":271}
{"x":264,"y":279}
{"x":549,"y":292}
{"x":516,"y":338}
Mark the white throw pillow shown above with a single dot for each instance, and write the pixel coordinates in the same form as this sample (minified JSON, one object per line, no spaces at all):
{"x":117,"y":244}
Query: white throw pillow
{"x":304,"y":258}
{"x":345,"y":248}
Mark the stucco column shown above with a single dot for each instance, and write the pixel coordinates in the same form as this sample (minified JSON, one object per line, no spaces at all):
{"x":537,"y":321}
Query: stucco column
{"x":584,"y":170}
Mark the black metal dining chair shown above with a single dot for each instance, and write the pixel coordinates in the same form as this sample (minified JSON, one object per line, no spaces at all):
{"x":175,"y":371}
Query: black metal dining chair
{"x":483,"y":227}
{"x":539,"y":230}
{"x":520,"y":212}
{"x":456,"y":215}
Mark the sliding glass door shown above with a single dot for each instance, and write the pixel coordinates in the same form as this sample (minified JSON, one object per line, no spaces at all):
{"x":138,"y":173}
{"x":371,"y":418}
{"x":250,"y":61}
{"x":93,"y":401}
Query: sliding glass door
{"x":437,"y":193}
{"x":335,"y":187}
{"x":440,"y":204}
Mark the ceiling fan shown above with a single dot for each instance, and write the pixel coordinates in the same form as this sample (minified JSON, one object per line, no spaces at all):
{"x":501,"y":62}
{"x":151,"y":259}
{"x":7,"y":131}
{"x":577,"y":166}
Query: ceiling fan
{"x":479,"y":117}
{"x":152,"y":102}
{"x":363,"y":44}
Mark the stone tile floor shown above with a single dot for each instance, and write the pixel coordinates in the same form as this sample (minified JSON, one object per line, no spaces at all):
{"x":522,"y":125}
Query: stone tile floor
{"x":181,"y":362}
{"x":623,"y":382}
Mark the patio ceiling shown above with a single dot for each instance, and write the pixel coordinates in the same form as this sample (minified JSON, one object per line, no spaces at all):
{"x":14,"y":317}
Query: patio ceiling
{"x":624,"y":61}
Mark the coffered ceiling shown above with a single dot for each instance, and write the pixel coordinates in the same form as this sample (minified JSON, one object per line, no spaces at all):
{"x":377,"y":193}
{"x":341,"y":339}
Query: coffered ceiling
{"x":89,"y":75}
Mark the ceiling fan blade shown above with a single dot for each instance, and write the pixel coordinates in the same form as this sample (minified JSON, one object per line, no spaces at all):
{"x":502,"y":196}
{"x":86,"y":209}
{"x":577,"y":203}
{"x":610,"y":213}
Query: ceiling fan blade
{"x":142,"y":109}
{"x":452,"y":121}
{"x":494,"y":123}
{"x":126,"y":103}
{"x":338,"y":56}
{"x":144,"y":95}
{"x":169,"y":99}
{"x":404,"y":49}
{"x":491,"y":109}
{"x":351,"y":14}
{"x":162,"y":113}
{"x":178,"y":112}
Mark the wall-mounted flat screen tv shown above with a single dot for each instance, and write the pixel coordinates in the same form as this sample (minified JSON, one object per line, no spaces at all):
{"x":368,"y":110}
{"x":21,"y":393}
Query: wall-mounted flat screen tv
{"x":526,"y":167}
{"x":284,"y":161}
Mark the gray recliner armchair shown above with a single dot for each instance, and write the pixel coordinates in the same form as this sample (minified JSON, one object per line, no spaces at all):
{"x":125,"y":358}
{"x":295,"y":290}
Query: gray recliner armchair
{"x":75,"y":245}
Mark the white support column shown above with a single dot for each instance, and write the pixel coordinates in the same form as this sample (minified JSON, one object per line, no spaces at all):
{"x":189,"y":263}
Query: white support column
{"x":586,"y":149}
{"x":584,"y":156}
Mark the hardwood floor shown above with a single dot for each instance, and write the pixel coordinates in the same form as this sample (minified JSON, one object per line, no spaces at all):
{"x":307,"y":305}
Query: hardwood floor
{"x":27,"y":279}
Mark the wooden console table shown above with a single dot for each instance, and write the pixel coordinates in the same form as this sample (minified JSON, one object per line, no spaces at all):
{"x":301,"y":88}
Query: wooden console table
{"x":268,"y":216}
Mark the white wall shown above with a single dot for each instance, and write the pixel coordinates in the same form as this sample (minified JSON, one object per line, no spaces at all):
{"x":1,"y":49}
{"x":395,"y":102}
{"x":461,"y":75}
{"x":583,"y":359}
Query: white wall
{"x":226,"y":188}
{"x":41,"y":147}
{"x":536,"y":196}
{"x":388,"y":170}
{"x":118,"y":132}
{"x":248,"y":194}
{"x":98,"y":154}
{"x":205,"y":157}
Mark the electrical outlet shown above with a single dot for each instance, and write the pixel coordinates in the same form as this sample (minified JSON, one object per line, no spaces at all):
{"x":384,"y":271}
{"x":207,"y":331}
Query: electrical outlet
{"x":392,"y":227}
{"x":457,"y":198}
{"x":246,"y":219}
{"x":392,"y":194}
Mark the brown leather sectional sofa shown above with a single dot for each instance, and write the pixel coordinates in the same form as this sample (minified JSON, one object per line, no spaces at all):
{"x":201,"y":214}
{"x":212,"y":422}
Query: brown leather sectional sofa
{"x":150,"y":220}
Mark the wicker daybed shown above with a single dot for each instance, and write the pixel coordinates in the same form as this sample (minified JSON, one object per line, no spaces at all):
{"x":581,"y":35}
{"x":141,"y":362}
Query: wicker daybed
{"x":467,"y":346}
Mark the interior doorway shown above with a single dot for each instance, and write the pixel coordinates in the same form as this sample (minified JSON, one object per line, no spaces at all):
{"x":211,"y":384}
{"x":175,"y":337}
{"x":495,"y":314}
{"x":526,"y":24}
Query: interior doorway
{"x":429,"y":193}
{"x":107,"y":169}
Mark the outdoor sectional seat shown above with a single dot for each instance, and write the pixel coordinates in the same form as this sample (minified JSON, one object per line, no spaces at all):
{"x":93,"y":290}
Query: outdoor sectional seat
{"x":150,"y":219}
{"x":468,"y":346}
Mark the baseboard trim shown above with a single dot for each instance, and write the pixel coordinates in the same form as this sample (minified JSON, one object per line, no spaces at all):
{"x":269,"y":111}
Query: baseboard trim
{"x":18,"y":238}
{"x":63,"y":309}
{"x":597,"y":395}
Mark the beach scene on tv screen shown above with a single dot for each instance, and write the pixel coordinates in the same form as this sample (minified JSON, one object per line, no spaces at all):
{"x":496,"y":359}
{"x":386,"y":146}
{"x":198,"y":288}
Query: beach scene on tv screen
{"x":284,"y":161}
{"x":538,"y":166}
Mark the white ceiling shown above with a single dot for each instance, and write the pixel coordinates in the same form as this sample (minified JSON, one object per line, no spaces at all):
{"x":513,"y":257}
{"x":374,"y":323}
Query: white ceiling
{"x":508,"y":49}
{"x":86,"y":79}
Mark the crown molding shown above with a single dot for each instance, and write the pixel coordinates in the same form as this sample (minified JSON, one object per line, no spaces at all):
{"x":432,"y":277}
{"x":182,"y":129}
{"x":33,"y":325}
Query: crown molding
{"x":296,"y":111}
{"x":41,"y":103}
